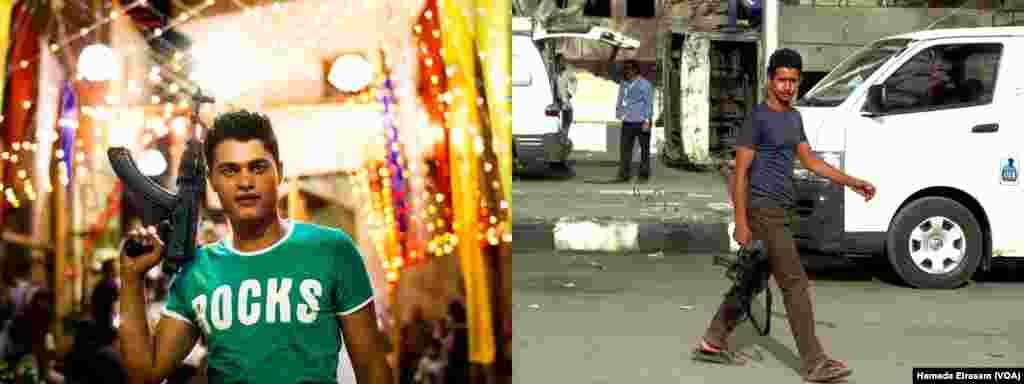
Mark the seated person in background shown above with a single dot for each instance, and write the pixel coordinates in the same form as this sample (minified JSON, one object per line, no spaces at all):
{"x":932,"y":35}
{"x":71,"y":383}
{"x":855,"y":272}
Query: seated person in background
{"x":431,"y":367}
{"x":93,"y":358}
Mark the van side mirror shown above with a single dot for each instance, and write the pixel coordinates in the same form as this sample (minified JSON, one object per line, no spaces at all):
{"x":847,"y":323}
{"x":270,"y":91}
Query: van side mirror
{"x":876,"y":100}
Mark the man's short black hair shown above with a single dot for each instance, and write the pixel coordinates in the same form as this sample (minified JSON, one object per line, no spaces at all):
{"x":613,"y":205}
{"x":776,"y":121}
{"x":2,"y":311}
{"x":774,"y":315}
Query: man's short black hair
{"x":242,"y":126}
{"x":785,"y":58}
{"x":632,"y":64}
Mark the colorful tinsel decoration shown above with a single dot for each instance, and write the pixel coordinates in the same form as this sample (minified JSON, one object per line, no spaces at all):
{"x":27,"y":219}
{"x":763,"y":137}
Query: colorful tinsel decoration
{"x":391,"y":183}
{"x":432,"y":90}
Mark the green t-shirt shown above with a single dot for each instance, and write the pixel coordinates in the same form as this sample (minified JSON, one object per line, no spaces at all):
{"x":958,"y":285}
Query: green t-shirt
{"x":271,"y":316}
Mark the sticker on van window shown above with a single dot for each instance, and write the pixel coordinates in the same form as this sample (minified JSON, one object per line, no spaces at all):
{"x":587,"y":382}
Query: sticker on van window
{"x":1009,"y":170}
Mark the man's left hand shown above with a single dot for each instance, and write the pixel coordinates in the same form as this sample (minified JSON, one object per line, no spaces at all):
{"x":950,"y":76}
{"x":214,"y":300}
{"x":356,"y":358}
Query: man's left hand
{"x":863,"y":188}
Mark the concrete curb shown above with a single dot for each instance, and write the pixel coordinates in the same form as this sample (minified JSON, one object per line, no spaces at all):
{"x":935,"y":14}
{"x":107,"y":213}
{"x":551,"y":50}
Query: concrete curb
{"x":597,"y":234}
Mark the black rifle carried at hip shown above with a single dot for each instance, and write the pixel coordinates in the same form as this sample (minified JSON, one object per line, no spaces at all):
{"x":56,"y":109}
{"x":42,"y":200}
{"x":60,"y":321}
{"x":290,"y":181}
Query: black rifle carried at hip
{"x":178,"y":213}
{"x":749,"y":273}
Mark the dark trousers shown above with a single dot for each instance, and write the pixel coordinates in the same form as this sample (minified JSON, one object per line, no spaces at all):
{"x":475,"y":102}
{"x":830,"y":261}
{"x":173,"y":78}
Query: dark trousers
{"x":770,"y":225}
{"x":634,"y":132}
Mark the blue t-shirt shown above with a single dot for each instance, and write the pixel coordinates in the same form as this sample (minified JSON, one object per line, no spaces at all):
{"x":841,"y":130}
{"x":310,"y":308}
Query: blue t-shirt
{"x":774,"y":136}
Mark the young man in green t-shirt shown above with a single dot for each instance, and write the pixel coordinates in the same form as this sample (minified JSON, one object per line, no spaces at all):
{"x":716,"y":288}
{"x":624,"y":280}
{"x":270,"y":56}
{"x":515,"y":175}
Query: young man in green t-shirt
{"x":277,"y":301}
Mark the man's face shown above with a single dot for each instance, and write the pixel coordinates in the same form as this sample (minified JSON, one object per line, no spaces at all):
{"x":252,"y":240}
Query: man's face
{"x":784,"y":84}
{"x":245,"y":177}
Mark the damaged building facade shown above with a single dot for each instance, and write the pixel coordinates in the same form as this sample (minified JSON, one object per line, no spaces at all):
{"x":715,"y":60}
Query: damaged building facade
{"x":708,"y":67}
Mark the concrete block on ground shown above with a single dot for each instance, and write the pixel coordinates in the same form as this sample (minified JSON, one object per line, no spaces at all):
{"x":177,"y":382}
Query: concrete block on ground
{"x":596,"y":234}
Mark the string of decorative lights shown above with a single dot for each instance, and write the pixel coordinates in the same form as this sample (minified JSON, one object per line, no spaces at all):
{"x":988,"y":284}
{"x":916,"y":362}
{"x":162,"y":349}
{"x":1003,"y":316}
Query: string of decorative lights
{"x":82,"y":33}
{"x":25,"y":148}
{"x":56,"y":46}
{"x":435,"y":96}
{"x":432,"y":89}
{"x":395,"y":177}
{"x":177,"y":84}
{"x":398,"y":247}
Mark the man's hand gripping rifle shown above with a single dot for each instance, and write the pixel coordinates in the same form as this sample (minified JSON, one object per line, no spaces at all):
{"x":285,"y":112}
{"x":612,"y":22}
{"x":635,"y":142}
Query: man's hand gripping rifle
{"x":178,"y":213}
{"x":749,"y":273}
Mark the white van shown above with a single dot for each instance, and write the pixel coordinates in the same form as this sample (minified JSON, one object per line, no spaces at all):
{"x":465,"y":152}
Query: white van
{"x":540,"y":138}
{"x":932,"y":119}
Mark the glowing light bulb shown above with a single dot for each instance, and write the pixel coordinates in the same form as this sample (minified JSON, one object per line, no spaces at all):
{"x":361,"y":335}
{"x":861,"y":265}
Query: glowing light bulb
{"x":99,"y":63}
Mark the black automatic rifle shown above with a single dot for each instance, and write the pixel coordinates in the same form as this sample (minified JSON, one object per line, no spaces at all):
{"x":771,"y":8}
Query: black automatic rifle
{"x":749,"y":273}
{"x":178,"y":214}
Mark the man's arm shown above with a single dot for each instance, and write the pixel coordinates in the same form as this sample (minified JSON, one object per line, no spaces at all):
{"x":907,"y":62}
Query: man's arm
{"x":746,"y":143}
{"x":648,"y":104}
{"x":366,"y":345}
{"x":820,"y":167}
{"x":147,"y":360}
{"x":618,"y":101}
{"x":744,"y":157}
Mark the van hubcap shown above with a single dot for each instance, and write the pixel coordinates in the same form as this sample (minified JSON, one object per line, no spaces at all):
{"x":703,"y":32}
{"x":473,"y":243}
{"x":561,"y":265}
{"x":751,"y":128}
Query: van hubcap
{"x":937,"y":245}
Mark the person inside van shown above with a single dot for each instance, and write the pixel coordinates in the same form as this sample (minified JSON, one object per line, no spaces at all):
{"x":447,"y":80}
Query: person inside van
{"x":772,"y":136}
{"x":939,"y":81}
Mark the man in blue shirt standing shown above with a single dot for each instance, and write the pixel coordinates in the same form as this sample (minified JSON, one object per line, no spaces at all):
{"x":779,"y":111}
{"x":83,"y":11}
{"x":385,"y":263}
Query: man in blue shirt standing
{"x":635,"y":108}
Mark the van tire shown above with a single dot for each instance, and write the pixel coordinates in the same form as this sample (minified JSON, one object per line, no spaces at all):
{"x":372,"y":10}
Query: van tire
{"x":908,"y":219}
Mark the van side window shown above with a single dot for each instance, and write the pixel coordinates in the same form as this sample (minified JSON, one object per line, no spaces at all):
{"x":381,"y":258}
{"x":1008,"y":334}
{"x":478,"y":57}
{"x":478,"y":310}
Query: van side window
{"x":945,"y":76}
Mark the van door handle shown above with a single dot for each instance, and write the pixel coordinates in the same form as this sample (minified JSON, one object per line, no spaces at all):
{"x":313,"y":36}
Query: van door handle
{"x":985,"y":128}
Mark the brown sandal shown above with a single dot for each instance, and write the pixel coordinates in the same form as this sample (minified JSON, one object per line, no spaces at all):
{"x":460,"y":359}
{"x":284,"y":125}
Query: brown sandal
{"x":710,"y":354}
{"x":828,"y":371}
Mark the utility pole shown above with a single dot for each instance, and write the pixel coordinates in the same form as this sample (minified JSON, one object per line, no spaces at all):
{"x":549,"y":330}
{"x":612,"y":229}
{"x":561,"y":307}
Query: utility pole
{"x":771,"y":28}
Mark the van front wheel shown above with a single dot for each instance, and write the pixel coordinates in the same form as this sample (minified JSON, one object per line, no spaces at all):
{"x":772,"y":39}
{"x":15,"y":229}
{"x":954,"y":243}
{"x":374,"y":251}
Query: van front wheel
{"x":934,"y":243}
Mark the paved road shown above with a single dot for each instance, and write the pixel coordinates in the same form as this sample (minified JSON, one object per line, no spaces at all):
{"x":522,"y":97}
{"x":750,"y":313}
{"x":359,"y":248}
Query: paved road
{"x":631,"y":318}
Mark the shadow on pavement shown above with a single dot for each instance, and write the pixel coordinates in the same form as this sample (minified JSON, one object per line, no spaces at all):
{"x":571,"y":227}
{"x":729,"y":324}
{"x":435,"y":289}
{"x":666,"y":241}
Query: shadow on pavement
{"x":538,"y":176}
{"x":1003,"y":271}
{"x":555,"y":172}
{"x":836,"y":268}
{"x":824,"y":267}
{"x":746,"y":336}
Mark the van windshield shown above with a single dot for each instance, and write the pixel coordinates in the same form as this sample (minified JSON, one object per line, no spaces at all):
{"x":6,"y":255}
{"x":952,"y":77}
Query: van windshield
{"x":832,"y":90}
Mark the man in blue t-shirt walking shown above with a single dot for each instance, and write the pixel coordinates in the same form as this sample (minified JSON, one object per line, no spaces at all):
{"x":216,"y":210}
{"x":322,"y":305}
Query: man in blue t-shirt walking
{"x":763,"y":192}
